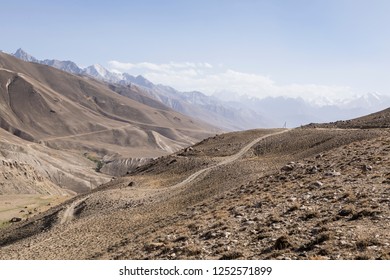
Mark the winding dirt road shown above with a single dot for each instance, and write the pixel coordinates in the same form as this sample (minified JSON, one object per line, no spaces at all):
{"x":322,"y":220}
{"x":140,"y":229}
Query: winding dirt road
{"x":108,"y":223}
{"x":69,"y":211}
{"x":227,"y":160}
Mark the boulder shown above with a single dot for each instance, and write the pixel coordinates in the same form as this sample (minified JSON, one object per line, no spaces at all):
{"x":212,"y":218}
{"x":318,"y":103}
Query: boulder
{"x":287,"y":168}
{"x":316,"y":184}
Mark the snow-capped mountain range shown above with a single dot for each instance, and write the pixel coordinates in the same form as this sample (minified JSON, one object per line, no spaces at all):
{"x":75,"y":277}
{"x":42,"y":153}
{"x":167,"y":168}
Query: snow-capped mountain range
{"x":241,"y":113}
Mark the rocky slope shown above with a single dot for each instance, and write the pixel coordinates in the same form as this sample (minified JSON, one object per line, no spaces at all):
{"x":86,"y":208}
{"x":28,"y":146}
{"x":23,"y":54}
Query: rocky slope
{"x":262,"y":194}
{"x":334,"y":205}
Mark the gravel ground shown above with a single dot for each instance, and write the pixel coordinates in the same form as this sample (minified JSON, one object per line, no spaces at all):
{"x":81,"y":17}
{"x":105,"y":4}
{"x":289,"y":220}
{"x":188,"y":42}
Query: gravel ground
{"x":303,"y":194}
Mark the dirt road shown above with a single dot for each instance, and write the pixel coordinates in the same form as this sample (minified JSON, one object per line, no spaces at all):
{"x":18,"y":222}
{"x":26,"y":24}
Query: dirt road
{"x":228,"y":160}
{"x":69,"y":211}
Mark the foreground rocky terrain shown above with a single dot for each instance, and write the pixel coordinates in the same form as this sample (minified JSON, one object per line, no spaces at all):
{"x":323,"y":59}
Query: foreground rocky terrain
{"x":263,"y":194}
{"x":334,"y":205}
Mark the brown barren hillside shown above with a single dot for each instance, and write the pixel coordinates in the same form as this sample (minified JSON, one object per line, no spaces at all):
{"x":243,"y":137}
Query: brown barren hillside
{"x":48,"y":107}
{"x":316,"y":192}
{"x":260,"y":194}
{"x":61,"y":131}
{"x":52,"y":107}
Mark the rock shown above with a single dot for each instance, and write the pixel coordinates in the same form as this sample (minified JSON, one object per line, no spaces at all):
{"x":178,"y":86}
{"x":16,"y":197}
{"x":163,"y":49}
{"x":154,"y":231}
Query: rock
{"x":316,"y":184}
{"x":208,"y":235}
{"x":332,"y":173}
{"x":131,"y":184}
{"x":287,"y":168}
{"x":15,"y":220}
{"x":188,"y":149}
{"x":312,"y":170}
{"x":181,"y":239}
{"x":345,"y":212}
{"x":366,"y":167}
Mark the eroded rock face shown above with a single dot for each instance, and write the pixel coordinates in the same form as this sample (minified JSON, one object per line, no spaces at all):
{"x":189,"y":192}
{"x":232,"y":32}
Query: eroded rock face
{"x":21,"y":178}
{"x":121,"y":167}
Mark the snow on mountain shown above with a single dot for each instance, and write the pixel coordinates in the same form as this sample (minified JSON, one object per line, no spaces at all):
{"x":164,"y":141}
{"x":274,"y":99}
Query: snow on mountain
{"x":67,"y":66}
{"x":369,"y":100}
{"x":21,"y":54}
{"x":99,"y":72}
{"x":297,"y":111}
{"x":96,"y":70}
{"x":230,"y":110}
{"x":194,"y":104}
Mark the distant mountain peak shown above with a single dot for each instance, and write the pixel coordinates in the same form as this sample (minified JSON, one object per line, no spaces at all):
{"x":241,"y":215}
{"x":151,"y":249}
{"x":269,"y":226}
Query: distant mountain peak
{"x":96,"y":69}
{"x":99,"y":67}
{"x":231,"y":110}
{"x":20,"y":51}
{"x":142,"y":81}
{"x":21,"y":54}
{"x":99,"y":72}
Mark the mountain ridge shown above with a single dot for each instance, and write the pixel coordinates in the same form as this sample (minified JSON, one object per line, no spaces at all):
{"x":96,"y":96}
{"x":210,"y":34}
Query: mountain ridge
{"x":46,"y":107}
{"x":223,"y":115}
{"x":240,"y":113}
{"x":303,"y":193}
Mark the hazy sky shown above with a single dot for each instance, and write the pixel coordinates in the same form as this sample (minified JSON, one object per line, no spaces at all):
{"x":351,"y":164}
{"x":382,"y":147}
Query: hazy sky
{"x":294,"y":47}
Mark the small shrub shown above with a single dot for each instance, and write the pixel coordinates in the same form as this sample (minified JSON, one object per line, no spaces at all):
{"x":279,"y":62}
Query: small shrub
{"x":99,"y":166}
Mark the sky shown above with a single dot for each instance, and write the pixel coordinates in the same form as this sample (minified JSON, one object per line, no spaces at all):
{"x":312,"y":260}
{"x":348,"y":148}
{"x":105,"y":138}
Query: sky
{"x":308,"y":48}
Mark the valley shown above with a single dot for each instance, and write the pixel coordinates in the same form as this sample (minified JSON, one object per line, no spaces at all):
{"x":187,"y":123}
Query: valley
{"x":290,"y":194}
{"x":63,"y":134}
{"x":92,"y":170}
